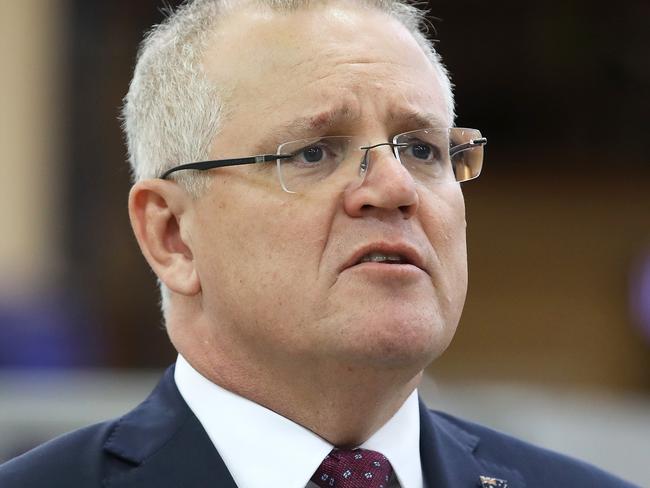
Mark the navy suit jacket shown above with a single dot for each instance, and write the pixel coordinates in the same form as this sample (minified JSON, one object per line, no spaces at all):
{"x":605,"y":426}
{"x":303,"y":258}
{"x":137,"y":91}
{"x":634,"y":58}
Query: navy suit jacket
{"x":161,"y":444}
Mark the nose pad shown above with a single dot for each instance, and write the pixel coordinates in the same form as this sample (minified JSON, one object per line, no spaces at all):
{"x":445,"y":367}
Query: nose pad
{"x":364,"y":165}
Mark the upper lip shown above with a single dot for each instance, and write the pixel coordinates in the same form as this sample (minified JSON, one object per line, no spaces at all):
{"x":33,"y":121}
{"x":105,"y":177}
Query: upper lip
{"x":408,"y":252}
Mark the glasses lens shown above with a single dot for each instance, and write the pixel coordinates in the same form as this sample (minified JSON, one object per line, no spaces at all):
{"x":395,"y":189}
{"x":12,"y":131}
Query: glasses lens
{"x":312,"y":162}
{"x":466,"y":149}
{"x":441,"y":155}
{"x":425,"y":153}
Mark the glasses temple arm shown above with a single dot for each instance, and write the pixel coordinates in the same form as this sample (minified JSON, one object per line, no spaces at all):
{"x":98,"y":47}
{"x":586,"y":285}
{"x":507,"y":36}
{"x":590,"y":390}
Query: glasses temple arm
{"x":482,"y":141}
{"x":220,"y":163}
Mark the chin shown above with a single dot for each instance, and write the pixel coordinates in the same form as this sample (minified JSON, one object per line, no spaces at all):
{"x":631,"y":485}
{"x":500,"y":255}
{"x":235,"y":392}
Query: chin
{"x":399,"y":340}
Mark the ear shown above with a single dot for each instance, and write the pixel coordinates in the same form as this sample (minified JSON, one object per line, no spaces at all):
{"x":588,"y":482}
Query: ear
{"x":160,"y":213}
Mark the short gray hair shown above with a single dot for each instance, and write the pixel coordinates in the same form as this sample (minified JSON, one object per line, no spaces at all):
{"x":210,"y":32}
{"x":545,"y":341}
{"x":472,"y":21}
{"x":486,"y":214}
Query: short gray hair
{"x":172,"y":112}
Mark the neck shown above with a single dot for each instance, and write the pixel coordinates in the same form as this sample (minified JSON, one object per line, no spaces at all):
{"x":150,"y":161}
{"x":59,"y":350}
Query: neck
{"x":343,"y":403}
{"x":343,"y":412}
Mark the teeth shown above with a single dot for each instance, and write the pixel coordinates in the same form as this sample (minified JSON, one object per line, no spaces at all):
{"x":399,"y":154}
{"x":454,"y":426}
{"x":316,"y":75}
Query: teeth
{"x":377,"y":257}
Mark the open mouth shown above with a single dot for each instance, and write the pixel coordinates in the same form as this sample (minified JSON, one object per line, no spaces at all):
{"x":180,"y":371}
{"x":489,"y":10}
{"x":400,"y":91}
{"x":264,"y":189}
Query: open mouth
{"x":378,"y":257}
{"x":387,"y":253}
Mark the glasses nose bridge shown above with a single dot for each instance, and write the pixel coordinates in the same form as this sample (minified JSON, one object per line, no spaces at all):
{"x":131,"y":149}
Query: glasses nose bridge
{"x":392,"y":145}
{"x":365,"y":160}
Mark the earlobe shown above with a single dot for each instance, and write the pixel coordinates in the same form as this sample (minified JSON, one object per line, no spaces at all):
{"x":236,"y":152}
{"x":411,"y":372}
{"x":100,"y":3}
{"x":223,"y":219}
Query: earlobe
{"x":160,"y":213}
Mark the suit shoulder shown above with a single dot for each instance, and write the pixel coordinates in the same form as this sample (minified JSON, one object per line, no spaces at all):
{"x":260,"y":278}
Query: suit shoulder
{"x":538,"y":466}
{"x":72,"y":459}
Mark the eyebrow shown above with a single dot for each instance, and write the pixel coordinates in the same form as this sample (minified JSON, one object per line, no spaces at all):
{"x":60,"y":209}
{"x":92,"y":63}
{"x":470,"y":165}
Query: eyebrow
{"x":322,"y":122}
{"x":418,"y":120}
{"x":305,"y":126}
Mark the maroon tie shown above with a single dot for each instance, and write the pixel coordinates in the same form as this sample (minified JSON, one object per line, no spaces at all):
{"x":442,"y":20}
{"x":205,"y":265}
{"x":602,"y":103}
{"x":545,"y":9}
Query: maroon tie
{"x":356,"y":468}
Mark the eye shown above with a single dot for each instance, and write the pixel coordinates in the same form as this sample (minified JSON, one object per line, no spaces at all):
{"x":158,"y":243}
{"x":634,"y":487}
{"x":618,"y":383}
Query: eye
{"x":321,"y":152}
{"x":421,"y":151}
{"x":312,"y":154}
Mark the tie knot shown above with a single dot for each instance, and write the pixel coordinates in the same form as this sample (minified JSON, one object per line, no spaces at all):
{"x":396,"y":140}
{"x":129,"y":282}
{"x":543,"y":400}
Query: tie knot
{"x":353,"y":468}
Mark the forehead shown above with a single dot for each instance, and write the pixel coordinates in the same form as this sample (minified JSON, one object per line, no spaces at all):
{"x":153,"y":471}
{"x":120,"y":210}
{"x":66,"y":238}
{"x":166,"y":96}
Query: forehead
{"x":326,"y":66}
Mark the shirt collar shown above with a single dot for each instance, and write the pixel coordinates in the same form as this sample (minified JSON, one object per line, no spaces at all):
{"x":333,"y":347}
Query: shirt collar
{"x":256,"y":443}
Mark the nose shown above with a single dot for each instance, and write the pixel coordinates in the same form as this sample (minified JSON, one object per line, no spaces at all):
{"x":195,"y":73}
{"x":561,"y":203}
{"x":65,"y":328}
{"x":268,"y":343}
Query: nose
{"x":387,"y":187}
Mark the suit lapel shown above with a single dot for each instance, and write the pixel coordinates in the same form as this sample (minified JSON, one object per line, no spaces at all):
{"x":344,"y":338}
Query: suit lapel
{"x":162,"y":444}
{"x":450,"y":459}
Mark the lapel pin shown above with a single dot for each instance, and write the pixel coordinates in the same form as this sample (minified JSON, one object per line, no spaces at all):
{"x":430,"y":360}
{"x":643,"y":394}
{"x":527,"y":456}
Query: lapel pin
{"x":487,"y":482}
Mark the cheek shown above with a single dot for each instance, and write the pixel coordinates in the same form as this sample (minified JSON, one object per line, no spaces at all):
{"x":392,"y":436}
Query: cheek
{"x":443,"y":219}
{"x":261,"y":251}
{"x":442,"y":213}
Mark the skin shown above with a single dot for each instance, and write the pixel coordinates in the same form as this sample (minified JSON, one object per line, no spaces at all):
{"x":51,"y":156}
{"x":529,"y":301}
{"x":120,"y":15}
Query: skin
{"x":260,"y":303}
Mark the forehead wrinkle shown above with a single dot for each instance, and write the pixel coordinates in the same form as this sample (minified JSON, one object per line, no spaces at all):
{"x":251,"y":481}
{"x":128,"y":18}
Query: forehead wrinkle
{"x":306,"y":126}
{"x":329,"y":118}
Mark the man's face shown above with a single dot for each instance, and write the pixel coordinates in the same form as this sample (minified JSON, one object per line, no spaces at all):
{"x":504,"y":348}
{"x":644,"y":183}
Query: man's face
{"x":279,"y":272}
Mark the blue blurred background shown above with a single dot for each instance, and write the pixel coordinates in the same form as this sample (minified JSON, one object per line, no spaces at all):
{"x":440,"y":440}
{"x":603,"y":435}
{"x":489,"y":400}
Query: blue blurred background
{"x":554,"y":344}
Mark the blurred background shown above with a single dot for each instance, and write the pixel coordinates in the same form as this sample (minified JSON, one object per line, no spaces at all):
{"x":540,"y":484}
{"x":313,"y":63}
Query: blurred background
{"x":554,"y":343}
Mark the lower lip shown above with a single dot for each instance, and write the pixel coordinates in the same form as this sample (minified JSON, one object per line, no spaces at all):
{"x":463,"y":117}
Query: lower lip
{"x":394,"y":271}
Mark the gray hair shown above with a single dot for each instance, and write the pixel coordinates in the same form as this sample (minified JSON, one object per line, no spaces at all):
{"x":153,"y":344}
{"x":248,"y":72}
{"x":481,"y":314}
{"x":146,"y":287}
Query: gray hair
{"x":172,"y":112}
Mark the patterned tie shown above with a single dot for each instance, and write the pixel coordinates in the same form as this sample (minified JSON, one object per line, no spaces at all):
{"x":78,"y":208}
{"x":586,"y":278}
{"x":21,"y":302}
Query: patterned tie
{"x":357,"y":468}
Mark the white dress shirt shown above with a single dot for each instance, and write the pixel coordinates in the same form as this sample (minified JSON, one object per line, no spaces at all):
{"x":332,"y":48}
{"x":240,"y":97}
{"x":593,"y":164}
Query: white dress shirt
{"x":258,"y":445}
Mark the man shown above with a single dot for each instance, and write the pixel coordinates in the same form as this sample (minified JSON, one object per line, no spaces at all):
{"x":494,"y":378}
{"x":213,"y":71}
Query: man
{"x":297,"y":194}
